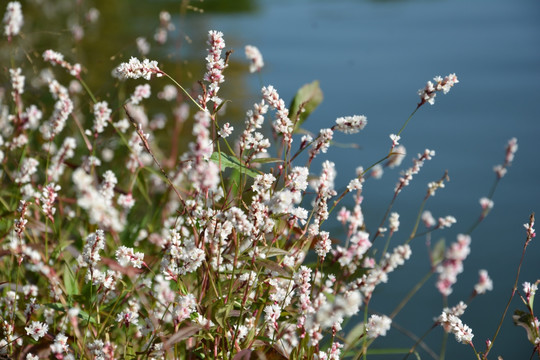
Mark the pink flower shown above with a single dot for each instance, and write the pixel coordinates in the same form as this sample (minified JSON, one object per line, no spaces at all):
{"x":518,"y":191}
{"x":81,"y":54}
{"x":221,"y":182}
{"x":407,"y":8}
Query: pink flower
{"x":428,"y":93}
{"x":135,"y":69}
{"x":378,"y":325}
{"x":350,"y":124}
{"x":254,"y":56}
{"x":13,"y":19}
{"x":484,"y":283}
{"x":37,"y":330}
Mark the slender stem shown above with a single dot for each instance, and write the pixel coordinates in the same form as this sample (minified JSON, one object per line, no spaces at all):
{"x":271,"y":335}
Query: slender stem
{"x":530,"y":235}
{"x":411,"y":293}
{"x":185,"y":91}
{"x":418,"y":218}
{"x":90,"y":93}
{"x":407,"y":121}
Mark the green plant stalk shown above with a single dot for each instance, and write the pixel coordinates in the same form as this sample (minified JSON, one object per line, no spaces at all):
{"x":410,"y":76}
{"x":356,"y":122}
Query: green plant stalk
{"x":514,"y":289}
{"x":185,"y":91}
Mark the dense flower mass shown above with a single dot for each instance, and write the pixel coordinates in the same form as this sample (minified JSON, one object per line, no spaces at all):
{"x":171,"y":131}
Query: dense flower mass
{"x":122,"y":239}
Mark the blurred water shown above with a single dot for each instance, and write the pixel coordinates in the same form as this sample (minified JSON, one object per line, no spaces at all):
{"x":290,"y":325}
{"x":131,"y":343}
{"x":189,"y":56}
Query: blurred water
{"x":371,"y":57}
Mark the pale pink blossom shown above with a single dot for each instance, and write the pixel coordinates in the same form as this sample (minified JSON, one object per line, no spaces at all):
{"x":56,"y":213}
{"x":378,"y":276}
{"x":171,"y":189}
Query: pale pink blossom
{"x":141,"y":92}
{"x":393,"y":222}
{"x":407,"y":176}
{"x":433,"y":186}
{"x":398,"y":154}
{"x":60,"y":345}
{"x":529,"y":290}
{"x":226,"y":130}
{"x":214,"y":66}
{"x":451,"y":323}
{"x":135,"y":69}
{"x":321,"y":143}
{"x":13,"y":19}
{"x":446,"y":221}
{"x":126,"y":257}
{"x":378,"y":325}
{"x":187,"y":304}
{"x":282,"y":125}
{"x":37,"y":330}
{"x":486,"y":203}
{"x":56,"y":58}
{"x":452,"y":264}
{"x":484,"y":283}
{"x":254,"y":56}
{"x":142,"y":45}
{"x":47,"y":199}
{"x":395,"y":140}
{"x":511,"y":148}
{"x":350,"y":124}
{"x":127,"y":317}
{"x":102,"y":116}
{"x":323,"y":244}
{"x":428,"y":219}
{"x":17,"y":81}
{"x":428,"y":93}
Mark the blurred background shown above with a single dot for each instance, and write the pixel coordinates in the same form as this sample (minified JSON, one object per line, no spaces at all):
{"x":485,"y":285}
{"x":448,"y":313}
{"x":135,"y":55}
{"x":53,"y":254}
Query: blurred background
{"x":370,"y":57}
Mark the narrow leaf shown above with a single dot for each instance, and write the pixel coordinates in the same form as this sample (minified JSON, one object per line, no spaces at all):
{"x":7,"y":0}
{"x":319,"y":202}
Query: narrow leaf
{"x":227,"y":161}
{"x":306,"y":100}
{"x":69,"y":281}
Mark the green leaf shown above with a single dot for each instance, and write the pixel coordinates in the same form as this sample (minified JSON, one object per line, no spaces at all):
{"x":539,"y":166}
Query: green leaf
{"x":84,"y":315}
{"x":271,"y":265}
{"x":227,"y":161}
{"x":273,"y":251}
{"x":354,"y":334}
{"x":266,"y":160}
{"x":306,"y":100}
{"x":437,"y":254}
{"x":70,"y":282}
{"x":220,"y":312}
{"x":142,"y":186}
{"x":55,"y":306}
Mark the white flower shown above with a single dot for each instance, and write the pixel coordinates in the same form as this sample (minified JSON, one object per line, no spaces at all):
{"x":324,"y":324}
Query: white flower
{"x":37,"y":329}
{"x":126,"y":256}
{"x":226,"y":130}
{"x":395,"y":138}
{"x":351,"y":124}
{"x":13,"y":19}
{"x":102,"y":115}
{"x":378,"y":325}
{"x":135,"y":69}
{"x":484,"y":283}
{"x":394,"y":222}
{"x":254,"y":56}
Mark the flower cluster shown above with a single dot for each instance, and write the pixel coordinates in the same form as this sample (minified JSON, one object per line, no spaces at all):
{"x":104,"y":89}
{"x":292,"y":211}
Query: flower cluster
{"x":55,"y":58}
{"x":13,"y":19}
{"x":214,"y":66}
{"x":135,"y":69}
{"x":254,"y":56}
{"x":450,"y":321}
{"x":428,"y":93}
{"x":452,"y":265}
